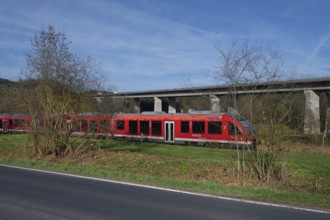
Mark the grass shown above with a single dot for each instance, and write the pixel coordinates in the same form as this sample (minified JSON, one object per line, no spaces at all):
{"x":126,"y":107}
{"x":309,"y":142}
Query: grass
{"x":195,"y":169}
{"x":311,"y":166}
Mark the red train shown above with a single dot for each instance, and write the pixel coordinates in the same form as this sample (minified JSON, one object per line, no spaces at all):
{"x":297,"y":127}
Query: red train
{"x":196,"y":128}
{"x":14,"y":123}
{"x":90,"y":125}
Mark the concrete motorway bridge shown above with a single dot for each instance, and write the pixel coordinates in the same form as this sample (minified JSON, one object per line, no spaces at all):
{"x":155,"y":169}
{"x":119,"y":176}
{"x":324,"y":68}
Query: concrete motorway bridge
{"x":311,"y":88}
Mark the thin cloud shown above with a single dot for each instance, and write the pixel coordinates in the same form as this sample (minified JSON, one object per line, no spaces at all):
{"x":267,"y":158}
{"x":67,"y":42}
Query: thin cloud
{"x":318,"y":47}
{"x":162,"y":43}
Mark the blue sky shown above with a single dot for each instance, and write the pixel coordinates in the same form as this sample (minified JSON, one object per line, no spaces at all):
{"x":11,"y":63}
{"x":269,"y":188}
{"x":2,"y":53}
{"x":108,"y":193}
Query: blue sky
{"x":164,"y":44}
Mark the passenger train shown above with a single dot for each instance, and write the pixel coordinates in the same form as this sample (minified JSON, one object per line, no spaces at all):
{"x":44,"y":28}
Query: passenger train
{"x":194,"y":128}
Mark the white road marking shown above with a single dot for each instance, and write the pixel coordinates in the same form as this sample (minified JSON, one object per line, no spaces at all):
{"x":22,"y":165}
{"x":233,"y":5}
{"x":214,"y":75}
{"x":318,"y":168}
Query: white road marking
{"x":177,"y":191}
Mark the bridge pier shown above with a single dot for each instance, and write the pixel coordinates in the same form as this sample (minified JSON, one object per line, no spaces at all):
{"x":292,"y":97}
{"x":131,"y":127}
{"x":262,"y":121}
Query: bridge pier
{"x":327,"y":114}
{"x":172,"y":105}
{"x":157,"y":104}
{"x":215,"y":103}
{"x":312,"y":113}
{"x":136,"y":105}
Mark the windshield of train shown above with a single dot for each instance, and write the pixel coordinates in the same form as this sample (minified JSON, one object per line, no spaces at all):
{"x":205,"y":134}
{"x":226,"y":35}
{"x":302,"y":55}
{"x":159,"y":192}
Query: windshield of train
{"x":246,"y":124}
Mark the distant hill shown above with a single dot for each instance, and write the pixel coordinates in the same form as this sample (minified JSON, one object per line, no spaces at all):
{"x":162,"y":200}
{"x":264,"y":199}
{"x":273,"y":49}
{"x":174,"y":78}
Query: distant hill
{"x":6,"y":81}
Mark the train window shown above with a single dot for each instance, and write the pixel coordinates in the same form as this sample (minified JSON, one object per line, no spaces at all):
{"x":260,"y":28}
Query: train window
{"x":120,"y":125}
{"x":214,"y":127}
{"x":184,"y":126}
{"x":1,"y":123}
{"x":233,"y":130}
{"x":16,"y":123}
{"x":133,"y":127}
{"x":247,"y":125}
{"x":40,"y":123}
{"x":198,"y":127}
{"x":84,"y":125}
{"x":93,"y":126}
{"x":47,"y":123}
{"x":156,"y":127}
{"x":77,"y":125}
{"x":62,"y":125}
{"x":50,"y":123}
{"x":104,"y":125}
{"x":144,"y":127}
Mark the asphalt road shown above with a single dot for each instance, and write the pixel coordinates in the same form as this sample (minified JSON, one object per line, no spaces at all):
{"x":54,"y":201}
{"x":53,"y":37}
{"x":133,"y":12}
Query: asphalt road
{"x":30,"y":194}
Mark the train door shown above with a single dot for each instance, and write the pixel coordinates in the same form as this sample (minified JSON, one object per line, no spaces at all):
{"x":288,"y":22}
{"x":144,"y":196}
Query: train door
{"x":5,"y":125}
{"x":169,"y":131}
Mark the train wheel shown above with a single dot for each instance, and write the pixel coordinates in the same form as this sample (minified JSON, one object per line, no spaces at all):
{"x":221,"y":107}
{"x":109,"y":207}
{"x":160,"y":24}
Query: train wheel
{"x":214,"y":145}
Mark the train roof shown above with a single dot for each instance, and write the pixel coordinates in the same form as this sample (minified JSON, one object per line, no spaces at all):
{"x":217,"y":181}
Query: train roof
{"x":190,"y":113}
{"x":14,"y":114}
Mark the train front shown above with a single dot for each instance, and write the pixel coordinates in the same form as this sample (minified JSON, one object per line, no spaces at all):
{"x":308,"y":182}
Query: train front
{"x":249,"y":133}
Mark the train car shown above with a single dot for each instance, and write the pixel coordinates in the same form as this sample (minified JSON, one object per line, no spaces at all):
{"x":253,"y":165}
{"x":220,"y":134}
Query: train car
{"x":89,"y":125}
{"x":208,"y":129}
{"x":4,"y":121}
{"x":14,"y":123}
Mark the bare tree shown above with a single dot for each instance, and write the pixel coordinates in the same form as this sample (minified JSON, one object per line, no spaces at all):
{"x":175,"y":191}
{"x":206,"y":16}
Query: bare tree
{"x":55,"y":83}
{"x":244,"y":65}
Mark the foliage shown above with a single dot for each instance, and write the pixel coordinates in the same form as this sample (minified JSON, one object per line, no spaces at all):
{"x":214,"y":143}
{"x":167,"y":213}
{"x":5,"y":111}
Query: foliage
{"x":265,"y":164}
{"x":54,"y":87}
